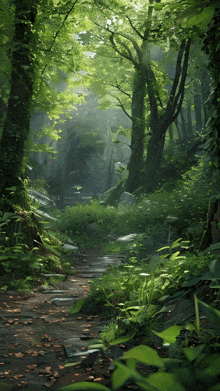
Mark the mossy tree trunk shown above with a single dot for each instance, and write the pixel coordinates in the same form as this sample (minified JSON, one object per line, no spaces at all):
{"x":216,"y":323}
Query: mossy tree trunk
{"x":135,"y":165}
{"x":17,"y":123}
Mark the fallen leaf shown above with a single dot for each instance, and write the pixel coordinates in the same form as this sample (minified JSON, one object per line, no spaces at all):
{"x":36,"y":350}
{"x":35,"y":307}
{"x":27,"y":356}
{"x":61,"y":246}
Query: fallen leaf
{"x":98,"y":379}
{"x":31,"y":366}
{"x":61,"y":367}
{"x":56,"y":374}
{"x":50,"y":382}
{"x":19,"y":355}
{"x":41,"y":352}
{"x":17,"y":376}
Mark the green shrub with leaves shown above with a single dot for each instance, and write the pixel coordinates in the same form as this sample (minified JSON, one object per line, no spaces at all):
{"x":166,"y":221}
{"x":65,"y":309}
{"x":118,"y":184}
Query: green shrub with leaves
{"x":197,"y":367}
{"x":179,"y":211}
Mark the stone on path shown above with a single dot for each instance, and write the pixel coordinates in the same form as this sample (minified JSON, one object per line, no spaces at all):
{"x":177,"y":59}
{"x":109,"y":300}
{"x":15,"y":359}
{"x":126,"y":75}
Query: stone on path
{"x":63,"y":300}
{"x":127,"y":238}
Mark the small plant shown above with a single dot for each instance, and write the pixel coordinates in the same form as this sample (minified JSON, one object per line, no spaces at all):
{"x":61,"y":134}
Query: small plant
{"x":197,"y":368}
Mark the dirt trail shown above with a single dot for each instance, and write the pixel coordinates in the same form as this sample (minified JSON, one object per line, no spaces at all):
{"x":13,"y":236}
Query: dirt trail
{"x":38,"y":336}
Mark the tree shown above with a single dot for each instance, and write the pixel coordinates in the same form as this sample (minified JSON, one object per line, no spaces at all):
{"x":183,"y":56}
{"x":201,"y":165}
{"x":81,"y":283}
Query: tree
{"x":32,"y":48}
{"x":16,"y":126}
{"x":131,"y":31}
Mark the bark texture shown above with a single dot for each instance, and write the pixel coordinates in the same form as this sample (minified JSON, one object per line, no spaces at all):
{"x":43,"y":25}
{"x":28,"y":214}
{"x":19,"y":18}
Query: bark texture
{"x":16,"y":126}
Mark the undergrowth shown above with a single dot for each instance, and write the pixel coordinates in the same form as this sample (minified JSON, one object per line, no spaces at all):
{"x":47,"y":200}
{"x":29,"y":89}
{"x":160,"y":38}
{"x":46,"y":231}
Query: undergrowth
{"x":181,"y":211}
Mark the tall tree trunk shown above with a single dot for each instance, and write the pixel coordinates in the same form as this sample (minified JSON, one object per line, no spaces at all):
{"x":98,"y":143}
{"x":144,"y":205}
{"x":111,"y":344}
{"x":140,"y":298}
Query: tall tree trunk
{"x":16,"y":127}
{"x":183,"y":125}
{"x":189,"y":119}
{"x":198,"y":106}
{"x":205,"y":89}
{"x":170,"y":129}
{"x":178,"y":129}
{"x":135,"y":165}
{"x":160,"y":124}
{"x":154,"y":155}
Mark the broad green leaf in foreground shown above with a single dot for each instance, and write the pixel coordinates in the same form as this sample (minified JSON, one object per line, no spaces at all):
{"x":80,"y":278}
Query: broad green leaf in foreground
{"x":122,"y":373}
{"x":145,"y":355}
{"x":212,"y":314}
{"x":169,"y":335}
{"x":164,"y":382}
{"x":84,"y":386}
{"x":192,"y":352}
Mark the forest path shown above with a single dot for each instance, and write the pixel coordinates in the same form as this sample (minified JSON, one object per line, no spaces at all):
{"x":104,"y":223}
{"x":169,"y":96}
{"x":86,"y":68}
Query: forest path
{"x":38,"y":335}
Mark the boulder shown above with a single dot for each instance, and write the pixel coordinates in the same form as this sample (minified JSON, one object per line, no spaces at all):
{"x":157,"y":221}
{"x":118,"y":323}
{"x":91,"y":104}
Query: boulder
{"x":126,"y":199}
{"x":70,"y":247}
{"x":127,"y":238}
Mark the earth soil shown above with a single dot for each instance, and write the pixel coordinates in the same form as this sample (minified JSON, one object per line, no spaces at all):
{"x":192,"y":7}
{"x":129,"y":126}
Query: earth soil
{"x":42,"y":345}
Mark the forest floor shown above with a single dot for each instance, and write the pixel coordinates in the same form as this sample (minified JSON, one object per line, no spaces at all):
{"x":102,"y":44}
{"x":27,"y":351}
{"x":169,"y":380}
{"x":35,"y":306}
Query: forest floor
{"x":39,"y":336}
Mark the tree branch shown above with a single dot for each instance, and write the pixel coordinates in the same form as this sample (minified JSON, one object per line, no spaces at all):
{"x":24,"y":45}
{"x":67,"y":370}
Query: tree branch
{"x":58,"y":32}
{"x":121,"y":90}
{"x":177,"y":74}
{"x":122,"y":107}
{"x":128,"y":57}
{"x":135,"y":29}
{"x":180,"y":94}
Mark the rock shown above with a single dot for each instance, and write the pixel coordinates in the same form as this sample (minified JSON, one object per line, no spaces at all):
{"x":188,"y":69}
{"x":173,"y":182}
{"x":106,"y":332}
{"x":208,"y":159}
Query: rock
{"x":126,"y":199}
{"x":70,"y":247}
{"x":63,"y":300}
{"x":127,"y":238}
{"x":55,"y":291}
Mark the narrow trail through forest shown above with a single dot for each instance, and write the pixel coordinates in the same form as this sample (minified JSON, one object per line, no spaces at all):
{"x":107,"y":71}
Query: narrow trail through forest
{"x":38,"y":335}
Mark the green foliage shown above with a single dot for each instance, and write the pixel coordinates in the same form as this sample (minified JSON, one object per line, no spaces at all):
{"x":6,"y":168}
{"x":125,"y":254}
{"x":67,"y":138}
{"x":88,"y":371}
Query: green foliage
{"x":197,"y":366}
{"x":26,"y":251}
{"x":177,"y":212}
{"x":212,"y":47}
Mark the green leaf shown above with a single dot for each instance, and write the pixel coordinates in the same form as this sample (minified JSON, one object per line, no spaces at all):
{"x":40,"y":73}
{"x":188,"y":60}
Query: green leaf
{"x":210,"y":365}
{"x":158,"y":6}
{"x":215,"y":268}
{"x":212,"y":314}
{"x":77,"y":307}
{"x":122,"y":373}
{"x":165,"y":382}
{"x":163,"y":248}
{"x":169,"y":335}
{"x":123,"y":339}
{"x":145,"y":355}
{"x":84,"y":386}
{"x":192,"y":353}
{"x":201,"y":19}
{"x":12,"y":188}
